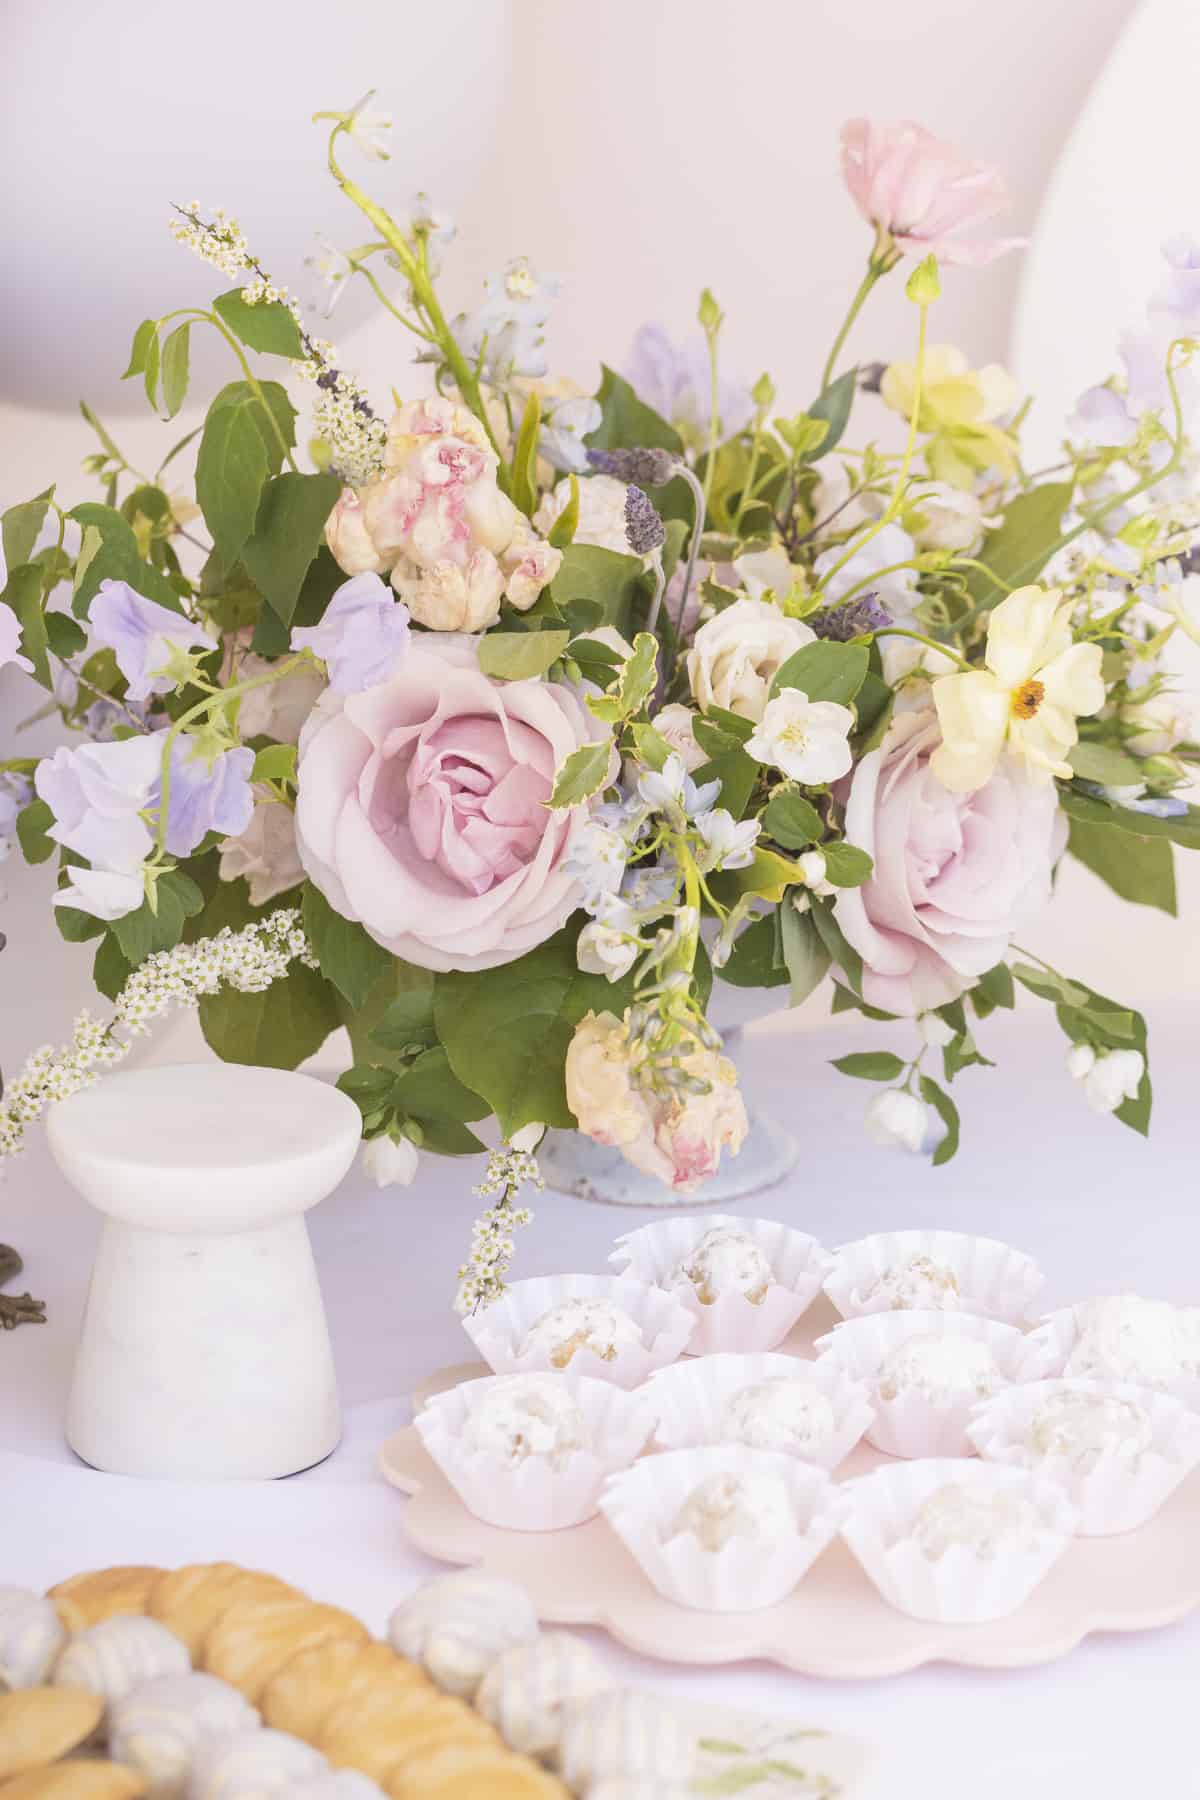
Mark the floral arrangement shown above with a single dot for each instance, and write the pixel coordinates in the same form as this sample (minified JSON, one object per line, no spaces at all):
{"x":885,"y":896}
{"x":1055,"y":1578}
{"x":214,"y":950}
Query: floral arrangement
{"x":527,"y":714}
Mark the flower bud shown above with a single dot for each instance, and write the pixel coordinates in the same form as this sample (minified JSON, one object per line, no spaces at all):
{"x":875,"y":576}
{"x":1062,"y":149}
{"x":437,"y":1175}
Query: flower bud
{"x":935,"y":1032}
{"x":898,"y":1120}
{"x":1081,"y":1059}
{"x":390,"y":1162}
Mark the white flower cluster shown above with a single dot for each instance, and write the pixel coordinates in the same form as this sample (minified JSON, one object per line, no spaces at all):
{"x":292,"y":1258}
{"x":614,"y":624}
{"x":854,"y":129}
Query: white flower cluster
{"x":249,"y":960}
{"x":343,"y":419}
{"x":220,"y":242}
{"x":481,"y":1279}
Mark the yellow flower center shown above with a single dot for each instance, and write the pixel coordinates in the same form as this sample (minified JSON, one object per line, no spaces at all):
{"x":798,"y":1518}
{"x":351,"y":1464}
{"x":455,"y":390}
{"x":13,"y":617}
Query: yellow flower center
{"x":1027,"y":698}
{"x":520,"y":283}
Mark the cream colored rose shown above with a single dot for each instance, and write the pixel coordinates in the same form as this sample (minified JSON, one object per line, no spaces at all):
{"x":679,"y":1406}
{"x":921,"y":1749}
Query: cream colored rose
{"x":675,"y":723}
{"x":601,"y":512}
{"x":1160,"y":721}
{"x":735,"y":657}
{"x":280,"y":708}
{"x":448,"y":597}
{"x":350,"y":542}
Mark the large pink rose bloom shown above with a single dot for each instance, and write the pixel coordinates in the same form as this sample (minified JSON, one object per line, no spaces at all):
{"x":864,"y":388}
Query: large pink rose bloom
{"x":921,"y":191}
{"x":421,"y":808}
{"x":956,"y":875}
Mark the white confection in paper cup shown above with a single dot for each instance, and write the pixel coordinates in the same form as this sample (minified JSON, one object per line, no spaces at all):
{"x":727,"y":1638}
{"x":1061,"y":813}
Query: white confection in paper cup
{"x":745,"y":1575}
{"x":689,"y":1400}
{"x":994,"y":1280}
{"x":798,"y":1267}
{"x":1118,"y":1494}
{"x":1058,"y":1334}
{"x":665,"y":1322}
{"x":959,"y":1588}
{"x":530,"y":1495}
{"x":912,"y":1424}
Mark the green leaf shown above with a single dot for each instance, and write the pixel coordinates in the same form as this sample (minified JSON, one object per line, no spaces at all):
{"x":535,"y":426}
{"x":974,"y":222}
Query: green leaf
{"x":792,"y":820}
{"x":1018,"y":550}
{"x":652,"y":748}
{"x":429,"y":1089}
{"x":408,"y":1019}
{"x":150,"y":370}
{"x":804,"y":953}
{"x":110,"y":971}
{"x":277,"y":1029}
{"x":845,"y":959}
{"x":288,"y":531}
{"x":634,"y":685}
{"x":943,"y":1105}
{"x":626,"y":423}
{"x":33,"y":822}
{"x":1107,"y":765}
{"x":520,"y":655}
{"x":267,"y":327}
{"x":277,"y":762}
{"x":139,"y":934}
{"x":1183,"y":829}
{"x":78,"y":927}
{"x":175,"y":369}
{"x":871,"y":1065}
{"x":448,"y":1137}
{"x":834,"y":405}
{"x":1138,"y":869}
{"x":845,"y":1001}
{"x":231,"y":471}
{"x":993,"y":989}
{"x":23,"y":592}
{"x":825,"y":671}
{"x":1049,"y":986}
{"x":737,"y":774}
{"x":583,"y":774}
{"x":846,"y":865}
{"x":64,"y":634}
{"x":769,"y":874}
{"x":272,"y":637}
{"x":20,"y":526}
{"x":567,"y":523}
{"x":714,"y":740}
{"x":272,"y":412}
{"x":112,"y":554}
{"x":348,"y":957}
{"x":607,"y":578}
{"x":507,"y":1030}
{"x":143,"y":337}
{"x":757,"y":957}
{"x":524,"y":462}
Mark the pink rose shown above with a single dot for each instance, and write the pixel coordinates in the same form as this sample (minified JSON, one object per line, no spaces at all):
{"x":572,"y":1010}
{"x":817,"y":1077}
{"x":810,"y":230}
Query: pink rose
{"x":956,"y":875}
{"x":921,"y":192}
{"x":422,"y":808}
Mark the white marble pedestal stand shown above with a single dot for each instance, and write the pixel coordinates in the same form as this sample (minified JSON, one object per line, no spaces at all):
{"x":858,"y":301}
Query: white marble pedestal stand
{"x":204,"y":1352}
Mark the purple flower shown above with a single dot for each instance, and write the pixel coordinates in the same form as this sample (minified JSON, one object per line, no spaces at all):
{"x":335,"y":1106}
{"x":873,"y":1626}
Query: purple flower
{"x":858,"y":618}
{"x":141,"y":633}
{"x":1101,"y":417}
{"x":644,"y":530}
{"x":207,"y":796}
{"x":10,"y":637}
{"x":645,"y":468}
{"x":677,"y":383}
{"x":362,"y":638}
{"x":1175,"y":304}
{"x":98,"y":793}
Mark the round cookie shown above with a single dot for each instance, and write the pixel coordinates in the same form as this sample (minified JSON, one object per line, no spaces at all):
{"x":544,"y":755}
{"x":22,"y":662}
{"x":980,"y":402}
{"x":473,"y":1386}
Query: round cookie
{"x":312,"y":1684}
{"x":189,"y":1601}
{"x":469,"y":1773}
{"x":40,"y":1724}
{"x":77,"y":1780}
{"x":252,"y":1641}
{"x":378,"y":1737}
{"x":100,"y":1594}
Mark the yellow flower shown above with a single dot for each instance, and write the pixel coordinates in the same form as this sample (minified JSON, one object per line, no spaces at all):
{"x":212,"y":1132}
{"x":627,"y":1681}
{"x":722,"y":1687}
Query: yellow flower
{"x":1035,"y":685}
{"x":958,"y":408}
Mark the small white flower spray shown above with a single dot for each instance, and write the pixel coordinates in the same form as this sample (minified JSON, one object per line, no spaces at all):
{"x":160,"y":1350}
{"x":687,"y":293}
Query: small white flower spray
{"x":481,"y":1278}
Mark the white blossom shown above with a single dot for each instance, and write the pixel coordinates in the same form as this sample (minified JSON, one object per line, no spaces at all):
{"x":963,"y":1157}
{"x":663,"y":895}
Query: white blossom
{"x":370,"y":127}
{"x":898,"y":1120}
{"x":728,"y":843}
{"x":390,"y":1162}
{"x":807,"y":739}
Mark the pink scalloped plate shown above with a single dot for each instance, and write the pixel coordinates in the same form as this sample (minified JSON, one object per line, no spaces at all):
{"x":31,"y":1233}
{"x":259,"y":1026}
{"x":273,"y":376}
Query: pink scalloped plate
{"x":835,"y":1624}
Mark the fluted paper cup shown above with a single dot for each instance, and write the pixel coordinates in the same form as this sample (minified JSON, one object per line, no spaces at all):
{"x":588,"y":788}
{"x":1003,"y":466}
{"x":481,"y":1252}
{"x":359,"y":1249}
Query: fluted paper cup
{"x":665,"y":1323}
{"x":530,"y":1495}
{"x":1122,"y":1490}
{"x":797,"y":1262}
{"x":689,"y":1401}
{"x":915,"y":1424}
{"x":959,"y":1587}
{"x":993,"y":1280}
{"x":745,"y":1575}
{"x":1057,"y":1338}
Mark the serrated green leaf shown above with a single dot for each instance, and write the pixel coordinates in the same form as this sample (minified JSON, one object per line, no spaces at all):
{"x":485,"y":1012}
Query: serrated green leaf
{"x":846,"y":865}
{"x":634,"y":685}
{"x":347,"y":955}
{"x":1049,"y":986}
{"x":996,"y":987}
{"x":583,"y":774}
{"x":408,"y":1017}
{"x":146,"y":331}
{"x":175,"y":369}
{"x":288,"y":531}
{"x":267,"y":326}
{"x":792,"y":820}
{"x":520,"y":655}
{"x":870,"y":1065}
{"x":943,"y":1105}
{"x":1139,"y":869}
{"x":825,"y":671}
{"x":846,"y":1001}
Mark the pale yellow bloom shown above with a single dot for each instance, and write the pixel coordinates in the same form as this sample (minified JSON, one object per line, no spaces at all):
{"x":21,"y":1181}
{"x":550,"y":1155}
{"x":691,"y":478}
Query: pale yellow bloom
{"x":959,"y":409}
{"x":1035,"y":685}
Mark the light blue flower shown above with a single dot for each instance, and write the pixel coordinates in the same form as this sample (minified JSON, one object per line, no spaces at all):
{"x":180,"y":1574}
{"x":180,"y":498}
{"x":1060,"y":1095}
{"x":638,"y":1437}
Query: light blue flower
{"x":362,"y":638}
{"x":503,"y":338}
{"x":1101,"y":417}
{"x":677,"y":382}
{"x":564,"y":430}
{"x":672,"y":791}
{"x":141,"y":635}
{"x":873,"y":564}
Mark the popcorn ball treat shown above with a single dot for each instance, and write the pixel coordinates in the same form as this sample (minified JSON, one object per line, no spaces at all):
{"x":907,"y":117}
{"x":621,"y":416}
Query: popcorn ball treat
{"x":596,"y":1325}
{"x":526,"y":1691}
{"x":457,"y":1626}
{"x":118,"y":1655}
{"x":988,"y":1524}
{"x":933,"y":1271}
{"x":790,"y":1413}
{"x":31,"y":1636}
{"x":157,"y":1728}
{"x":726,"y":1260}
{"x":1126,"y":1338}
{"x":1083,"y":1428}
{"x":945,"y":1369}
{"x":520,"y":1416}
{"x":919,"y":1283}
{"x":722,"y":1507}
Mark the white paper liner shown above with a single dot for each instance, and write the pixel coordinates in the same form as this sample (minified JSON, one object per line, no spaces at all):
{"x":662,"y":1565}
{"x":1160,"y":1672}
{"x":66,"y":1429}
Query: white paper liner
{"x":665,"y":1322}
{"x":689,"y":1400}
{"x":530,"y":1495}
{"x":959,"y":1588}
{"x":1058,"y":1333}
{"x":743,"y":1576}
{"x":994,"y":1280}
{"x":912,"y":1424}
{"x":1119,"y":1493}
{"x":798,"y":1264}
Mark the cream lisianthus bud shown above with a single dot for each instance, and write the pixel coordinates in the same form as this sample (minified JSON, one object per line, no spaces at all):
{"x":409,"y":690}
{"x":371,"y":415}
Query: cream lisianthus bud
{"x":390,"y":1162}
{"x":934,"y":1031}
{"x":898,"y":1120}
{"x":1081,"y":1060}
{"x":1113,"y":1079}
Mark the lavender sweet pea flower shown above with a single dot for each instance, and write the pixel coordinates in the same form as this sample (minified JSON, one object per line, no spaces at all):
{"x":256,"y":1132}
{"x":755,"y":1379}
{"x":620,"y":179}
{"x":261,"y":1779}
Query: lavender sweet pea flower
{"x":98,"y":793}
{"x":10,"y":637}
{"x":140,"y":633}
{"x":1175,"y":304}
{"x":362,"y":638}
{"x":1101,"y":417}
{"x":207,"y":796}
{"x":677,"y":383}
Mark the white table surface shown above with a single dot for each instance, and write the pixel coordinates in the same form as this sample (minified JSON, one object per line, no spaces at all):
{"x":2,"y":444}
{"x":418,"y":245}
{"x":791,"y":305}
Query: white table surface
{"x":1098,"y":1207}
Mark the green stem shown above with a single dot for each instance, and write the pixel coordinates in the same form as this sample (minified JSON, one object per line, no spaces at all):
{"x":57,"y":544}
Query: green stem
{"x":751,"y":472}
{"x":714,"y":425}
{"x":252,"y":381}
{"x":877,"y":266}
{"x":920,"y":638}
{"x":383,"y":300}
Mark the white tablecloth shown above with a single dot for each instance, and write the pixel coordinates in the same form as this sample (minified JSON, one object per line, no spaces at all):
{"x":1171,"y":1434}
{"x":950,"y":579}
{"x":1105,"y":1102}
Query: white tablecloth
{"x":1097,"y":1206}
